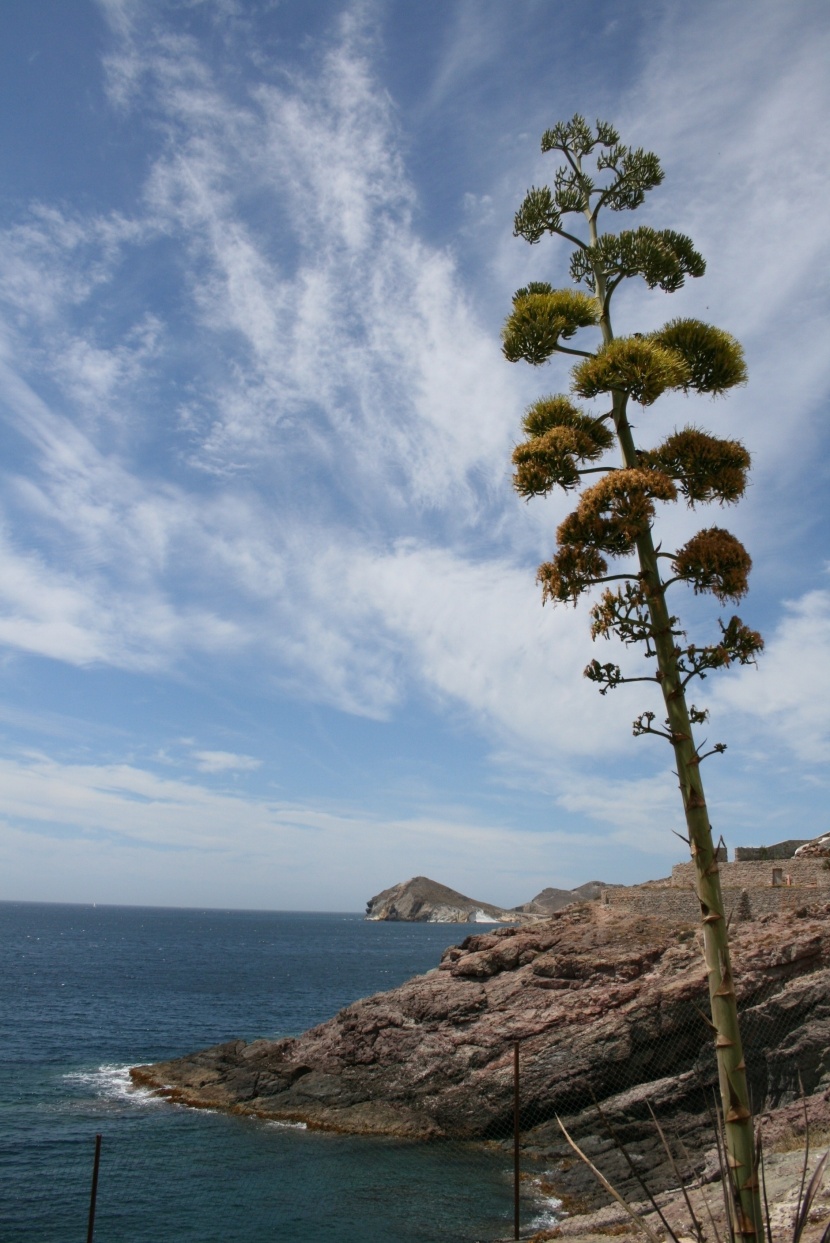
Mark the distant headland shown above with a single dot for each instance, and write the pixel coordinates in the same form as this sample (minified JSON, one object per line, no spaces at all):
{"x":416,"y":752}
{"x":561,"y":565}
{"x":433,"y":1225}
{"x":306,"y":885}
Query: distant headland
{"x":752,"y":883}
{"x":421,"y":900}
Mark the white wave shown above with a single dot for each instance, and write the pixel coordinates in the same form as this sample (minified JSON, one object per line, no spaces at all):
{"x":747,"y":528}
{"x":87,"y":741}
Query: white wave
{"x":552,"y":1213}
{"x":548,"y":1219}
{"x":288,"y":1126}
{"x":113,"y":1083}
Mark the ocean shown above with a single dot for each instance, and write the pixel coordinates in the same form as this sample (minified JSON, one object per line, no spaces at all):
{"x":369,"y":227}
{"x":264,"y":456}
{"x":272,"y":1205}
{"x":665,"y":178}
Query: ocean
{"x":87,"y":991}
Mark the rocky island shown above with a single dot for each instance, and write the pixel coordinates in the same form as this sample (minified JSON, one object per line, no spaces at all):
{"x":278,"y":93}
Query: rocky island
{"x":607,"y":1006}
{"x":422,"y":900}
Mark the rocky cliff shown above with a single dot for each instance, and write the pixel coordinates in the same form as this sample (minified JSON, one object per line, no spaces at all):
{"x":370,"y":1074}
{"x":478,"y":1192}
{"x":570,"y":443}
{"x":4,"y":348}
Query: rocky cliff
{"x":604,"y":1003}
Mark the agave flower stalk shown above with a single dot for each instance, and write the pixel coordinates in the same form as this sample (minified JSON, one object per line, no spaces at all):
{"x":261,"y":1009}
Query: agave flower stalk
{"x":615,"y":515}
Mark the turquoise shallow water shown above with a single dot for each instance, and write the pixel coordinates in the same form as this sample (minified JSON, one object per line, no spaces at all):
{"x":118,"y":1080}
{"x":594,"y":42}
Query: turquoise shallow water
{"x":86,"y":992}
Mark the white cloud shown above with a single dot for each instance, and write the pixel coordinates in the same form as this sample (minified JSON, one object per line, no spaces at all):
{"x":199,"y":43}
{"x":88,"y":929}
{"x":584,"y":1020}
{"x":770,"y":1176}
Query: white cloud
{"x":82,"y":622}
{"x":224,"y":761}
{"x":97,"y":378}
{"x":476,"y":634}
{"x":367,"y":352}
{"x":100,"y":597}
{"x":470,"y":48}
{"x":53,"y":261}
{"x":642,"y":813}
{"x":123,"y":830}
{"x":354,"y":330}
{"x":788,"y":697}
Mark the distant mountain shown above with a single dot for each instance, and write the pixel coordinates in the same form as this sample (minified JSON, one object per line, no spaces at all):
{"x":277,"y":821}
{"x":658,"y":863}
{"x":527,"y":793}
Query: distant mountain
{"x":423,"y":900}
{"x":550,"y":900}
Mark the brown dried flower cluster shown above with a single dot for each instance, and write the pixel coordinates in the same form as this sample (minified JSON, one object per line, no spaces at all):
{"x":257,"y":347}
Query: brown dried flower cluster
{"x":714,"y":560}
{"x":609,"y":518}
{"x":572,"y":571}
{"x":613,"y":513}
{"x":705,"y":467}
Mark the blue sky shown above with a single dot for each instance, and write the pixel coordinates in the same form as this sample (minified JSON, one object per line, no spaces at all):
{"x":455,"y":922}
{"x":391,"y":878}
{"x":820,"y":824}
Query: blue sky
{"x":269,"y":631}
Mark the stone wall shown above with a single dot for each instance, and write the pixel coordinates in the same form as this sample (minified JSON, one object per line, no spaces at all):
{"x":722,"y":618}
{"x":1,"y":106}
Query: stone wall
{"x":668,"y":903}
{"x":765,"y":884}
{"x":762,"y":854}
{"x":681,"y":904}
{"x":749,"y":875}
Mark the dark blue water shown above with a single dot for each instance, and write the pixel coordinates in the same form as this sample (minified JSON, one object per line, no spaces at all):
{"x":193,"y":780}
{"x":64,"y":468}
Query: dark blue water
{"x":86,"y":992}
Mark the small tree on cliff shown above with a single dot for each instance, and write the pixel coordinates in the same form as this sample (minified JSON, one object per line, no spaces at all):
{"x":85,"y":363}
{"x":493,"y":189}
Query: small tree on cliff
{"x":614,"y":516}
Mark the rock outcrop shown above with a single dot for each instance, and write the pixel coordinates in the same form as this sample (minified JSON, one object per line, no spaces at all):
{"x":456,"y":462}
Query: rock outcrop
{"x":605,"y":1005}
{"x":818,"y":848}
{"x":422,"y":900}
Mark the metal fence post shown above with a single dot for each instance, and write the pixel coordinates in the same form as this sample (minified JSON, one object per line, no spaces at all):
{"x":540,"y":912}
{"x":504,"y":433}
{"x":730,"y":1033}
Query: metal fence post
{"x":94,"y":1192}
{"x":515,"y":1139}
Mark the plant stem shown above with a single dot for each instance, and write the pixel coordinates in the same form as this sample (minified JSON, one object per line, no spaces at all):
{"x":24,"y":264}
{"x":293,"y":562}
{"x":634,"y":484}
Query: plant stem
{"x":730,"y":1060}
{"x":734,"y":1091}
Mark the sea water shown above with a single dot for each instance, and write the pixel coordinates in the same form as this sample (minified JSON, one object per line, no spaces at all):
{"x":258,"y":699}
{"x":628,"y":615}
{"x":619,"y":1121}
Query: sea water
{"x":86,"y":992}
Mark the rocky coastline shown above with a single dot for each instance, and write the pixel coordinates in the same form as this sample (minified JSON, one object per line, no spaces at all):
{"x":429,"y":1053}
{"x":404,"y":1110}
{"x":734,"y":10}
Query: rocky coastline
{"x":605,"y":1005}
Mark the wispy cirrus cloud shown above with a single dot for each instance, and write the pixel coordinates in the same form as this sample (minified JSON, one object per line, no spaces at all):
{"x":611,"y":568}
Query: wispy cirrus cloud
{"x":81,"y":622}
{"x":356,"y":338}
{"x":339,"y":367}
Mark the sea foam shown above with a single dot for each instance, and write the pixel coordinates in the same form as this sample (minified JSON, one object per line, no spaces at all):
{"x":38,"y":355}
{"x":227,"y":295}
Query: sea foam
{"x":112,"y":1083}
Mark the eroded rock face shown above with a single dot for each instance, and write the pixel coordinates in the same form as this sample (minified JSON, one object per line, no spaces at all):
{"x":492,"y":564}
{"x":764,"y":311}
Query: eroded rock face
{"x":603,"y":1004}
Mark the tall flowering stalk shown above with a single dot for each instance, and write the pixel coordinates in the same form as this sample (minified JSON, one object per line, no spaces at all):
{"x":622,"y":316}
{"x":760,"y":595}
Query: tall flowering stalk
{"x":614,"y":516}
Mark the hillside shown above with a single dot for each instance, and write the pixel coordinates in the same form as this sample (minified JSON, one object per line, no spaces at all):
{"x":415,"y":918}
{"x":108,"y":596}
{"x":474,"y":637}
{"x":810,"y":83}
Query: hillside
{"x":550,"y":899}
